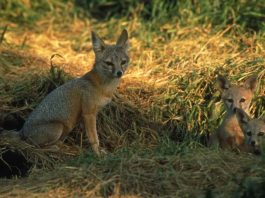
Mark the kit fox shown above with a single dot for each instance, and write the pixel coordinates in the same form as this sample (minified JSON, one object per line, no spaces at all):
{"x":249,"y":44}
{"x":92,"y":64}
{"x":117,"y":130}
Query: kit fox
{"x":81,"y":98}
{"x":229,"y":133}
{"x":254,"y":130}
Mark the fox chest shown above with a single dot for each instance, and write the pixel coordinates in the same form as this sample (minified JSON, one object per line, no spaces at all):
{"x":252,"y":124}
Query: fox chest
{"x":231,"y":132}
{"x":95,"y":104}
{"x":232,"y":128}
{"x":103,"y":97}
{"x":95,"y":99}
{"x":102,"y":101}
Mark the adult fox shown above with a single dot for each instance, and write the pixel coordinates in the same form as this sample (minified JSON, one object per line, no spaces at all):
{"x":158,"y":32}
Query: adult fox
{"x":57,"y":114}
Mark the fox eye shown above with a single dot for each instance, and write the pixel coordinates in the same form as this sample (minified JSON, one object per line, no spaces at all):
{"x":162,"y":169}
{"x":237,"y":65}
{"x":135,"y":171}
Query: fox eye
{"x":242,"y":100}
{"x":109,"y":63}
{"x":261,"y":134}
{"x":229,"y":100}
{"x":123,"y":62}
{"x":249,"y":133}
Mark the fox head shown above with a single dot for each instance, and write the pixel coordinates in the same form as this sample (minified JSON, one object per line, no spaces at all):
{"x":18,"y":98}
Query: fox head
{"x":111,"y":60}
{"x":237,"y":96}
{"x":254,"y":130}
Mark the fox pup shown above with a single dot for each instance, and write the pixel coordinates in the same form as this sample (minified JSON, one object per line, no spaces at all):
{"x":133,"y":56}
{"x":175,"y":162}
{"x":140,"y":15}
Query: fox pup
{"x":254,"y":130}
{"x":229,"y":134}
{"x":81,"y":98}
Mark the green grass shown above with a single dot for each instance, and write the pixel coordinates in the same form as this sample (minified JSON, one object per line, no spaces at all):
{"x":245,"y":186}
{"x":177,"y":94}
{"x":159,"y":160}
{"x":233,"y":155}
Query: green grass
{"x":247,"y":14}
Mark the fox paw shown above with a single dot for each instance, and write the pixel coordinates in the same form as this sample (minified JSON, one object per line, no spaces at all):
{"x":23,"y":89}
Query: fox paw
{"x":100,"y":152}
{"x":103,"y":151}
{"x":52,"y":148}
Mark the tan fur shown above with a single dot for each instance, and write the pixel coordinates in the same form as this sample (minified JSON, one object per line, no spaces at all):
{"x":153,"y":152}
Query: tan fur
{"x":229,"y":134}
{"x":81,"y":98}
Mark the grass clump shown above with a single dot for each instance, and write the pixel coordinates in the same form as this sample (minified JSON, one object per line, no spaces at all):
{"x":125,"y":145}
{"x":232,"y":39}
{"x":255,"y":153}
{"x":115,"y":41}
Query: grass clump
{"x":247,"y":14}
{"x":165,"y":170}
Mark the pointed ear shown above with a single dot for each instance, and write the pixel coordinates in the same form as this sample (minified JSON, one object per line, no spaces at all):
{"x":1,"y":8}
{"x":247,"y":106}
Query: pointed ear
{"x":98,"y":43}
{"x":242,"y":117}
{"x":123,"y":40}
{"x":223,"y":82}
{"x":251,"y":83}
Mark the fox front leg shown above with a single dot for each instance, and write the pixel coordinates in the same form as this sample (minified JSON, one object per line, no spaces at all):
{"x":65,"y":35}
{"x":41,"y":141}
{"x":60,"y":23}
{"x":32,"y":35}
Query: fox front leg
{"x":91,"y":131}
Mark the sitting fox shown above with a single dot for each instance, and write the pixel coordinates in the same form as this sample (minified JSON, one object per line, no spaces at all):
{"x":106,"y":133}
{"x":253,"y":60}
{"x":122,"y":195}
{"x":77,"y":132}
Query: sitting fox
{"x":254,"y":130}
{"x":229,"y":134}
{"x":57,"y":114}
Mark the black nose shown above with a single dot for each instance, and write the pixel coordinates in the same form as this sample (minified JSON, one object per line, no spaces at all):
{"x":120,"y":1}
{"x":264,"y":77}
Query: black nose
{"x":119,"y":74}
{"x":253,"y":143}
{"x":234,"y":109}
{"x":257,"y":152}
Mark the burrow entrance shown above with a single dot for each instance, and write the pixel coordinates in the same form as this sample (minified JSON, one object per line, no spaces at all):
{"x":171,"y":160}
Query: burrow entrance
{"x":13,"y":164}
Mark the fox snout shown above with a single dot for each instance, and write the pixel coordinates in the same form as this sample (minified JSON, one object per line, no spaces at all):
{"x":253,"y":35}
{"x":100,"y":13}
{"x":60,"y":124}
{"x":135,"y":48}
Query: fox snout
{"x":119,"y":73}
{"x":233,"y":106}
{"x":255,"y":147}
{"x":254,"y":143}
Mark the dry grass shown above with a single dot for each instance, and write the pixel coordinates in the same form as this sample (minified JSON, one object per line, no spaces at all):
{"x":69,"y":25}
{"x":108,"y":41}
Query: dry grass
{"x":166,"y":105}
{"x":143,"y":173}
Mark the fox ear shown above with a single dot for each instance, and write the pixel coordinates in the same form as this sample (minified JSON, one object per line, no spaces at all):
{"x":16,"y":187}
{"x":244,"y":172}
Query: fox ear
{"x":251,"y":83}
{"x":242,"y":117}
{"x":123,"y":40}
{"x":98,"y":43}
{"x":223,"y":82}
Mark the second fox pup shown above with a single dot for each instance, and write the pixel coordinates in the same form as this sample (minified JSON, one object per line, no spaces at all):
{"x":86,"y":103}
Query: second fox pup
{"x":83,"y":97}
{"x":229,"y":134}
{"x":254,"y":130}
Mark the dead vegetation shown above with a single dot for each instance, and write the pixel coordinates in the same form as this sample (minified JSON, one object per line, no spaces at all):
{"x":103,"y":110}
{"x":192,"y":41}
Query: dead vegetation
{"x":163,"y":172}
